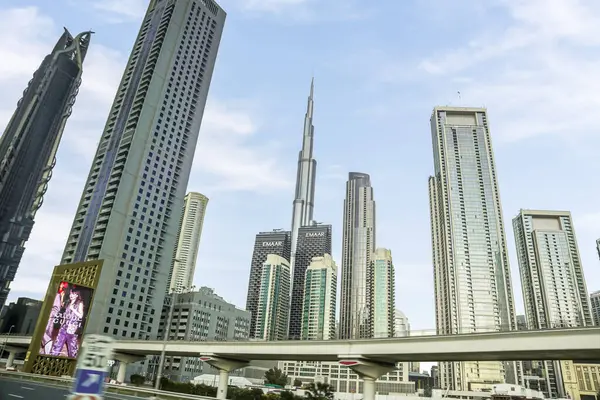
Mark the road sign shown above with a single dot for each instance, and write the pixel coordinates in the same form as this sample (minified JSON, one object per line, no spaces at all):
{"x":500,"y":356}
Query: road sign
{"x":92,"y":367}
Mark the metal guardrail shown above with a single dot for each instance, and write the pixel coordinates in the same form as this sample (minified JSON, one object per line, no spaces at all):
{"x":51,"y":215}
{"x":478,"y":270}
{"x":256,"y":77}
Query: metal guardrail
{"x":133,"y":391}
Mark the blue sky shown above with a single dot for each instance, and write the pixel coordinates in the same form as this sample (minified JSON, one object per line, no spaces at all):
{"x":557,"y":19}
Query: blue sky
{"x":380,"y":67}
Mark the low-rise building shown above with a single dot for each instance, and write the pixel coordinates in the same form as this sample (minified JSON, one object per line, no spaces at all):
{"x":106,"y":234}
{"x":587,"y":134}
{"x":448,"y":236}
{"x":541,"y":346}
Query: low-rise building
{"x":581,"y":379}
{"x":199,"y":316}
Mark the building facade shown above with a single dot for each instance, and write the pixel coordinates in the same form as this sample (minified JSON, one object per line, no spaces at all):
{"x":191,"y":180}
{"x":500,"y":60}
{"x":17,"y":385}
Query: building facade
{"x":554,"y":288}
{"x":188,"y":240}
{"x":199,"y":316}
{"x":344,"y":380}
{"x":320,"y":296}
{"x":273,"y":311}
{"x":19,"y":318}
{"x":304,"y":198}
{"x":381,"y":295}
{"x":313,"y":241}
{"x":552,"y":280}
{"x":277,"y":242}
{"x":595,"y":306}
{"x":29,"y":144}
{"x":582,"y":379}
{"x":401,"y":324}
{"x":473,"y":291}
{"x":358,"y":244}
{"x":130,"y":208}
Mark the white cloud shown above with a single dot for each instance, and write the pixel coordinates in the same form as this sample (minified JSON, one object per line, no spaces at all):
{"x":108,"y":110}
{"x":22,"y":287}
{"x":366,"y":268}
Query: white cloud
{"x":130,"y":9}
{"x":227,"y":152}
{"x":537,"y":74}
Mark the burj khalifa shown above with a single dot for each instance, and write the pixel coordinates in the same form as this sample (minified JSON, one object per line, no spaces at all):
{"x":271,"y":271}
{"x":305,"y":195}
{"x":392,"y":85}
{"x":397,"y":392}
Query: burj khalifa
{"x":305,"y":180}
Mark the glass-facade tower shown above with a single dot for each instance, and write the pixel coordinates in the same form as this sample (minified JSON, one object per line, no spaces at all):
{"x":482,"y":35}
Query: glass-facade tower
{"x":358,"y":244}
{"x":131,"y":204}
{"x":381,"y":295}
{"x":188,"y":242}
{"x":552,"y":280}
{"x":29,"y":144}
{"x":473,"y":291}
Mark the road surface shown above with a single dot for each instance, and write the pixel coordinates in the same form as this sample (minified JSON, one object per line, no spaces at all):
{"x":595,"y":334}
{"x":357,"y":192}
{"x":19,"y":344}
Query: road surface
{"x":12,"y":389}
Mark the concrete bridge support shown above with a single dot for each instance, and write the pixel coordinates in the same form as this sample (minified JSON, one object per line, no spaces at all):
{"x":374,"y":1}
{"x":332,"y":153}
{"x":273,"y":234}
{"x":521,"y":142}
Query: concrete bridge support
{"x":369,"y":372}
{"x":225,"y":366}
{"x":124,"y":361}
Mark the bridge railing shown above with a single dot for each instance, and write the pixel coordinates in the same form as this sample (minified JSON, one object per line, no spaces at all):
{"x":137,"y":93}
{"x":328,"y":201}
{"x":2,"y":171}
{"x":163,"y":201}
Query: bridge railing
{"x":141,"y":392}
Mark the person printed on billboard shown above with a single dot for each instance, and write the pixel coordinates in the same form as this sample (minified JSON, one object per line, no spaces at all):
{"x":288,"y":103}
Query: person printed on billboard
{"x":63,"y":333}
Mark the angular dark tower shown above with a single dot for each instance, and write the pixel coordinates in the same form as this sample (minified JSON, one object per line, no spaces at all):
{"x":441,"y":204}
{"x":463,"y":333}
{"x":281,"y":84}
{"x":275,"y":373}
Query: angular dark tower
{"x":313,"y":241}
{"x":276,"y":242}
{"x":29,"y":144}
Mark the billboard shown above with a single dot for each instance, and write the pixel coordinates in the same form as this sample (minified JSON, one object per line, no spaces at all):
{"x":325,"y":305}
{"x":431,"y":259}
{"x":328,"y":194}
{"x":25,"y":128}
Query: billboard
{"x":64,"y":328}
{"x":67,"y":308}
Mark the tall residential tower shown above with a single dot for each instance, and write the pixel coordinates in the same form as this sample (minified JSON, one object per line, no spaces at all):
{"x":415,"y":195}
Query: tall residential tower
{"x":314,"y":240}
{"x":358,"y":244}
{"x":29,"y":144}
{"x":276,"y":242}
{"x":186,"y":251}
{"x":273,"y":299}
{"x":304,"y":198}
{"x":381,"y":295}
{"x":473,"y":291}
{"x":554,"y":289}
{"x":320,"y":290}
{"x":131,"y":204}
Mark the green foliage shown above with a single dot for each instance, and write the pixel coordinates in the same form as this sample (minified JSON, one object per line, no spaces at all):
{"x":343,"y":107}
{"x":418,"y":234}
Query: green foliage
{"x":187,"y":387}
{"x":319,"y":391}
{"x":287,"y":395}
{"x":427,"y":391}
{"x":297,"y":382}
{"x":275,"y":376}
{"x":137,"y":380}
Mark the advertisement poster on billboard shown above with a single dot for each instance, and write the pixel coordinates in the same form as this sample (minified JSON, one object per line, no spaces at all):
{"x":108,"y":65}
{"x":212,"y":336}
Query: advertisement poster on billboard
{"x":64,"y":329}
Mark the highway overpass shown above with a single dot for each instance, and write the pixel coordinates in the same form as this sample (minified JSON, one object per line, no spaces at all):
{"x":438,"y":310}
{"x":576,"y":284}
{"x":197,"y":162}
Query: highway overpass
{"x":370,"y":358}
{"x":550,"y":344}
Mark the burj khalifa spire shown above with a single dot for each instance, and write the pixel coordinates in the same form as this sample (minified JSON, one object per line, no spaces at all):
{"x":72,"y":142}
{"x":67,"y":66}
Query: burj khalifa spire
{"x":305,"y":180}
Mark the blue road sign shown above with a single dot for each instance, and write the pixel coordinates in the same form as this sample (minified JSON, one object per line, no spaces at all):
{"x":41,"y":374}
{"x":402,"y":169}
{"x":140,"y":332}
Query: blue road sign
{"x":89,"y":381}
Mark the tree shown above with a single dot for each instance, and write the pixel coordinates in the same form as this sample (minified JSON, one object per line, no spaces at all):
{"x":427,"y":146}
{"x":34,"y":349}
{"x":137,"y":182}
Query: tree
{"x":275,"y":376}
{"x":319,"y":391}
{"x":297,"y":382}
{"x":137,"y":379}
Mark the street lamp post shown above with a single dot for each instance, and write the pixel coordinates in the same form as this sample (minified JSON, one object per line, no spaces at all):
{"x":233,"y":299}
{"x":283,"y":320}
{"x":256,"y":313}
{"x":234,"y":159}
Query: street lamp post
{"x":6,"y":340}
{"x":166,"y":334}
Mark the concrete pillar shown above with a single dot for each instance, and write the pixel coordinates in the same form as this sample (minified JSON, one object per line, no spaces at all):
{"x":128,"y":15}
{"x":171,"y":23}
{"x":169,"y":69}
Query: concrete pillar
{"x":124,"y":360}
{"x":368,"y":388}
{"x":225,"y":366}
{"x":369,"y":372}
{"x":223,"y":384}
{"x":11,"y":358}
{"x":121,"y":372}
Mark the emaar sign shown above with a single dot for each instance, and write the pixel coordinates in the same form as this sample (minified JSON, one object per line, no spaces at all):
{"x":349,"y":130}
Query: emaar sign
{"x":272,"y":244}
{"x":315,"y":234}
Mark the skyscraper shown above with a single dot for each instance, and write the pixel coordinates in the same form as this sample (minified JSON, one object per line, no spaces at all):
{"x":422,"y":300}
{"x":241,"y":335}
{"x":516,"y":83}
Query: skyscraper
{"x":305,"y":181}
{"x":273,"y":299}
{"x":358,"y":244}
{"x":186,"y":251}
{"x":381,"y":295}
{"x":276,"y":242}
{"x":473,"y":291}
{"x":29,"y":144}
{"x":554,"y":290}
{"x":595,"y":304}
{"x":320,"y":290}
{"x":130,"y":208}
{"x":401,"y":324}
{"x":313,"y":241}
